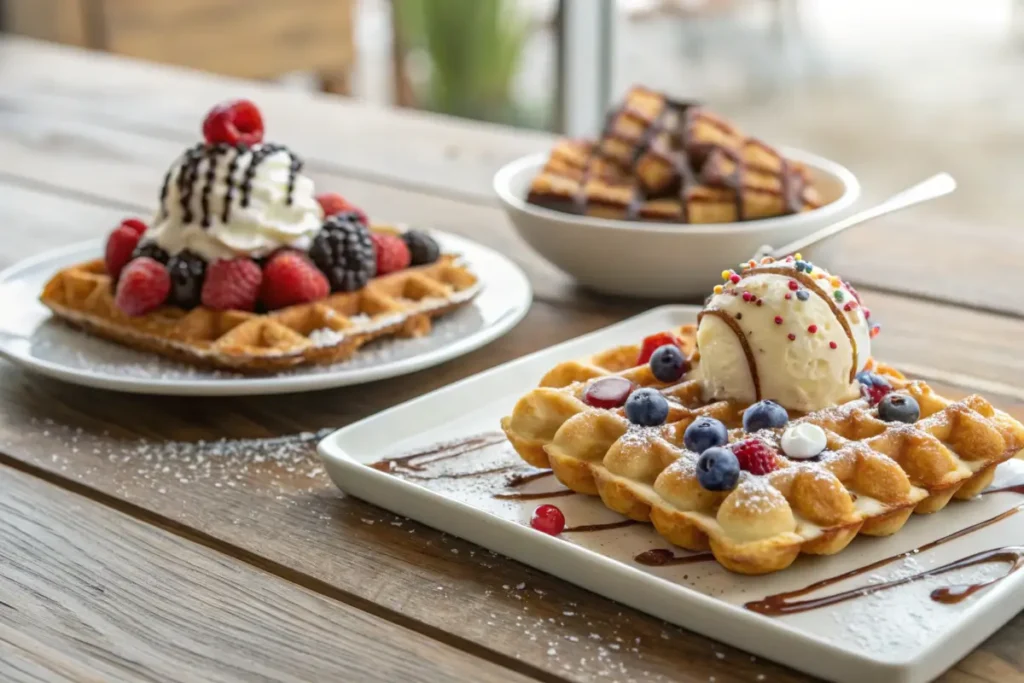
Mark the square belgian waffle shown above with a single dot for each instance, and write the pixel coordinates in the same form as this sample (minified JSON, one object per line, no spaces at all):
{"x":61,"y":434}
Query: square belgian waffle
{"x":872,"y":476}
{"x":327,"y":331}
{"x":668,"y":161}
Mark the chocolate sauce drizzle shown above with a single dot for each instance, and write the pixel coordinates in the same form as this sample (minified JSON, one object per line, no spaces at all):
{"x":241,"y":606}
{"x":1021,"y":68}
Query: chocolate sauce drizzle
{"x":662,"y":557}
{"x":687,"y":158}
{"x":781,"y":604}
{"x":744,"y":344}
{"x":600,"y":527}
{"x":188,"y":174}
{"x":418,"y":460}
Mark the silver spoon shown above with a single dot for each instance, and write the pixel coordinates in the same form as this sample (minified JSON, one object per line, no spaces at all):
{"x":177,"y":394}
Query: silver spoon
{"x":937,"y":186}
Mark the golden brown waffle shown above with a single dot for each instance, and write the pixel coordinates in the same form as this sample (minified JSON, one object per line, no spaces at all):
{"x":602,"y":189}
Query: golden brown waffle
{"x":666,"y":161}
{"x":327,"y":331}
{"x":871,"y":478}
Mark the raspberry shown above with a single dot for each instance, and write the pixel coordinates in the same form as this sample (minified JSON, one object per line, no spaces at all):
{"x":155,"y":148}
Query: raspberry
{"x":333,"y":203}
{"x":232,"y":285}
{"x":120,"y":246}
{"x":873,"y":387}
{"x":290,"y":278}
{"x":136,"y":225}
{"x":143,"y":287}
{"x":755,"y":456}
{"x":653,"y":343}
{"x":392,"y":253}
{"x":232,"y":123}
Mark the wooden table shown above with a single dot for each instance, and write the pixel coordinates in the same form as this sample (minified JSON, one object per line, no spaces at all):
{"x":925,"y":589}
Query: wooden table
{"x":199,"y":539}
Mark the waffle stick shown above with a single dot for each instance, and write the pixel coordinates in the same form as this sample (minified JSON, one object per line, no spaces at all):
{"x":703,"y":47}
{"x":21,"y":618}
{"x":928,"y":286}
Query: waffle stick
{"x":871,"y":478}
{"x":673,"y":162}
{"x":332,"y":330}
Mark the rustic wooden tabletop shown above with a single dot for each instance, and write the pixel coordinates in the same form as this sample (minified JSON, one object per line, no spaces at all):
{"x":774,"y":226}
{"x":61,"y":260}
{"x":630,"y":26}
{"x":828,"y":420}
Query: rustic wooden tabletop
{"x":199,"y":539}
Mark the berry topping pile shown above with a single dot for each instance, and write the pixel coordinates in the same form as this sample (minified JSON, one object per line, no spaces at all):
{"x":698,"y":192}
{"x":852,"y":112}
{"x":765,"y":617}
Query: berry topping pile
{"x":344,"y":251}
{"x":704,"y":433}
{"x":608,"y":392}
{"x":899,"y":408}
{"x":755,"y":456}
{"x":668,"y":364}
{"x":718,"y":469}
{"x":764,"y":415}
{"x":233,"y":123}
{"x":873,"y":387}
{"x":548,"y":519}
{"x":647,"y":408}
{"x":342,"y":257}
{"x":653,"y":343}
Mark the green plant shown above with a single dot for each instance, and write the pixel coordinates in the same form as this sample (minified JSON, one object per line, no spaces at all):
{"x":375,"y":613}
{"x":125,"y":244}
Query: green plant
{"x":473,"y":47}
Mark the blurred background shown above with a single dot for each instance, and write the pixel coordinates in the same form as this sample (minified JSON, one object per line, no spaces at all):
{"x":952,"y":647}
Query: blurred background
{"x":896,"y":89}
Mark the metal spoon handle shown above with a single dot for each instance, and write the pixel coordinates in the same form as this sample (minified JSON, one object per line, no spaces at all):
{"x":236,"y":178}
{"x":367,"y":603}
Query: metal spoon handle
{"x":936,"y":186}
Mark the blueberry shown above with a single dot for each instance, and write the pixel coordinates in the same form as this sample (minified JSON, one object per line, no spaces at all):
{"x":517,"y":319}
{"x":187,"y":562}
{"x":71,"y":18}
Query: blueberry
{"x":899,"y":408}
{"x":764,"y":415}
{"x":668,"y":364}
{"x":870,"y":379}
{"x":647,"y":408}
{"x":704,"y":433}
{"x":718,"y":469}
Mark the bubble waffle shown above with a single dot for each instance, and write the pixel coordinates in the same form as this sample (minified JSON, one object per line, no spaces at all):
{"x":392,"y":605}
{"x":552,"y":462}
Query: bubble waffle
{"x":871,"y":478}
{"x":327,"y":331}
{"x":674,"y":162}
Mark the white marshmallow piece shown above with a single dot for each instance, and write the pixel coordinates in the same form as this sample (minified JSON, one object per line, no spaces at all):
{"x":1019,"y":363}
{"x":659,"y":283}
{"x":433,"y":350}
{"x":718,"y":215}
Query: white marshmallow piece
{"x":803,"y":440}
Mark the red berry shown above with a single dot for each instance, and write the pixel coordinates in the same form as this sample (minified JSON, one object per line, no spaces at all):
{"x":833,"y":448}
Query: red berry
{"x":120,"y":247}
{"x":874,"y":393}
{"x":333,"y":203}
{"x":234,"y":122}
{"x":549,"y":519}
{"x":143,"y":287}
{"x":392,"y":253}
{"x":135,"y":224}
{"x":290,"y":278}
{"x":608,"y":392}
{"x":232,"y":285}
{"x":755,"y":456}
{"x":651,"y":344}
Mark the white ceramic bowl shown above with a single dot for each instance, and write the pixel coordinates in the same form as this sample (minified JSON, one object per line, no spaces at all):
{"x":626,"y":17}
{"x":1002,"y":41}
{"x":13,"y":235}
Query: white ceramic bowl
{"x":663,"y":260}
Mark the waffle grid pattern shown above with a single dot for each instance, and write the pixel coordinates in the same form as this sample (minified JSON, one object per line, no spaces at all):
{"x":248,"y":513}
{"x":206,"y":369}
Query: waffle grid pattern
{"x":674,"y":162}
{"x":327,"y":331}
{"x":871,"y":478}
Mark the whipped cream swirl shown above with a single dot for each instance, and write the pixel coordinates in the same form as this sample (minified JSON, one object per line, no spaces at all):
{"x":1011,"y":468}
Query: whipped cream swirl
{"x":220,"y":201}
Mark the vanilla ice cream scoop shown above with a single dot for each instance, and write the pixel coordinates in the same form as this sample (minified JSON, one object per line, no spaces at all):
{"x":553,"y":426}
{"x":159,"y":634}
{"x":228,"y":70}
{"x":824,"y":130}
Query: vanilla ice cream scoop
{"x":221,"y":201}
{"x":783,"y":330}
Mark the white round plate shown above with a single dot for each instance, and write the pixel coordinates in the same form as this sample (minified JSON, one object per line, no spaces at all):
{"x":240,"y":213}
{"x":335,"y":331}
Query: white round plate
{"x":30,"y":337}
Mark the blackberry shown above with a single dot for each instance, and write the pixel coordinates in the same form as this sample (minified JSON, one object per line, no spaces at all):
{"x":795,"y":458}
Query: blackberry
{"x":187,"y":270}
{"x":151,"y":250}
{"x":343,"y":251}
{"x":422,"y":247}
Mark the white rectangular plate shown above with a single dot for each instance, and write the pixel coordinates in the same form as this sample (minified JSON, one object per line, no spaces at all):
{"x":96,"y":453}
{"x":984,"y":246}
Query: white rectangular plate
{"x":895,"y":635}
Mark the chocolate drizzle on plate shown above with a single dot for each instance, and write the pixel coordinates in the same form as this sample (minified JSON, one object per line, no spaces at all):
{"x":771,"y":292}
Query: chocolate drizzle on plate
{"x":188,"y":173}
{"x":417,"y":461}
{"x":600,"y":527}
{"x":662,"y":557}
{"x":782,"y":604}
